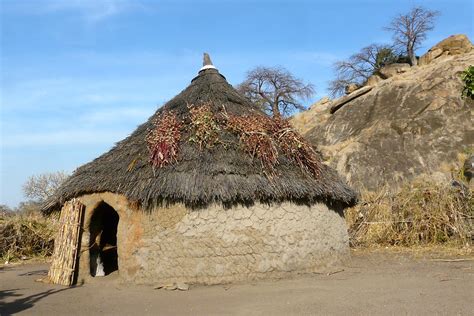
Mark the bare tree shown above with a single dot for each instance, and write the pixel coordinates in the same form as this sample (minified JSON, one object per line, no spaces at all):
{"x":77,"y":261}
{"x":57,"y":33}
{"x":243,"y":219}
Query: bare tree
{"x":410,"y":29}
{"x":41,"y":187}
{"x":275,"y":90}
{"x":360,"y":66}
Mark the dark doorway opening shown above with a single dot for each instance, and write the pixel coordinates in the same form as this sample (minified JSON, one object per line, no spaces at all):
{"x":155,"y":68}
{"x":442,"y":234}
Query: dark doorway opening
{"x":103,"y":240}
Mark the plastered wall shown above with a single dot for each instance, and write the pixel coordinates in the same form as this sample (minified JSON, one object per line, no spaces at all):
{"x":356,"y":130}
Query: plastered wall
{"x":218,"y":245}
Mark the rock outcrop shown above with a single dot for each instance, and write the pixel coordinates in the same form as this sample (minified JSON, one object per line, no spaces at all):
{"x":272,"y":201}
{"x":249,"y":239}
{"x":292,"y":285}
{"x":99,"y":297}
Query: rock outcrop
{"x":337,"y":104}
{"x":409,"y":124}
{"x":351,"y":88}
{"x":317,"y":113}
{"x":453,"y":45}
{"x":373,"y":80}
{"x":393,"y":70}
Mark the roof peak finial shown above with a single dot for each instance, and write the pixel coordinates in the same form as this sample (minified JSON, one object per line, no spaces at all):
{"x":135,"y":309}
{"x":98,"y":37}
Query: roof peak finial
{"x":207,"y":63}
{"x":207,"y":60}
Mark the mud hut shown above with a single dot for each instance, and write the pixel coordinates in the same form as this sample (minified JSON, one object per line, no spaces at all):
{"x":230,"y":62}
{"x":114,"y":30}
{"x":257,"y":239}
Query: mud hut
{"x":209,"y":190}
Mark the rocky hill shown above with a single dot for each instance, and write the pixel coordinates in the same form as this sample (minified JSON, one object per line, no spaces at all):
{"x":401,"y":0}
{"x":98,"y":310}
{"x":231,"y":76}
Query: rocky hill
{"x":414,"y":122}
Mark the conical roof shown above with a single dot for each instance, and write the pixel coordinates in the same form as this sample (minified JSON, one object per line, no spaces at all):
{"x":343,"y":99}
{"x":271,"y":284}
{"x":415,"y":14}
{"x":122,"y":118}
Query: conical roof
{"x":223,"y":173}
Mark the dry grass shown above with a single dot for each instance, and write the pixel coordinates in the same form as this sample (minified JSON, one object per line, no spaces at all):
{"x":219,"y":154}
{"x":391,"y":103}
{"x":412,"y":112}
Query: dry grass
{"x":25,"y":236}
{"x":433,"y":251}
{"x":421,"y":213}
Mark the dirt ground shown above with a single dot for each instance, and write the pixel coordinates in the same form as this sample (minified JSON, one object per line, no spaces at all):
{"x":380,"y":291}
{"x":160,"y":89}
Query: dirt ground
{"x":372,"y":284}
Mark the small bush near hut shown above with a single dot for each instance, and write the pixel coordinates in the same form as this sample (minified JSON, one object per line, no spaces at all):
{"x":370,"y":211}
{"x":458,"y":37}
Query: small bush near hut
{"x":26,"y":236}
{"x":420,"y":213}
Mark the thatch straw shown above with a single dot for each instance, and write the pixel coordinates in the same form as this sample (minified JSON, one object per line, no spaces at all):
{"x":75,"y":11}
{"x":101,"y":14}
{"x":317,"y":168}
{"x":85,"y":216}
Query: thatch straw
{"x":202,"y":175}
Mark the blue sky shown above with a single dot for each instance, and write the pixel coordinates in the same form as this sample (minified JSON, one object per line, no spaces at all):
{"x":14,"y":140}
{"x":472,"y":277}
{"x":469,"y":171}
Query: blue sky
{"x":79,"y":75}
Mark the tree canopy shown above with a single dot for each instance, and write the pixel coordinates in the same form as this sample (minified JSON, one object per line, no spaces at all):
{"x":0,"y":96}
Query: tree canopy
{"x":275,"y":90}
{"x":41,"y":187}
{"x":409,"y":30}
{"x":360,"y":66}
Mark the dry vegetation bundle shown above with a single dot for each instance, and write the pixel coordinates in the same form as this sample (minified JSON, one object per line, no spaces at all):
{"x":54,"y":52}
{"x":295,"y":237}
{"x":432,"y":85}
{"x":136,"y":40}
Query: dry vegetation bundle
{"x":205,"y":126}
{"x":254,"y":137}
{"x":26,"y":235}
{"x":163,"y":140}
{"x":295,"y":147}
{"x":260,"y":136}
{"x":420,"y":213}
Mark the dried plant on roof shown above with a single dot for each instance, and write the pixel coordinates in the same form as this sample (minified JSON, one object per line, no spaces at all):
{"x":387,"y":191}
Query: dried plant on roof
{"x":163,"y":140}
{"x":295,"y":147}
{"x":254,"y":136}
{"x":262,"y":135}
{"x":205,"y":125}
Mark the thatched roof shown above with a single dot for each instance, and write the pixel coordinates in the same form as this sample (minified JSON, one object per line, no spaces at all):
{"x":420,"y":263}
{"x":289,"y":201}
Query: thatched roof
{"x":201,"y":176}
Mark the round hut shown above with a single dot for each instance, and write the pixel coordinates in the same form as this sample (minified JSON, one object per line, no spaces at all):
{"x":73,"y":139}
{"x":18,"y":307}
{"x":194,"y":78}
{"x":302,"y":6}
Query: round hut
{"x":209,"y":190}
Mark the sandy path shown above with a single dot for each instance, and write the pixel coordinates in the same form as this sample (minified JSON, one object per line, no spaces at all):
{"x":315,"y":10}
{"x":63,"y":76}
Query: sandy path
{"x":372,"y":284}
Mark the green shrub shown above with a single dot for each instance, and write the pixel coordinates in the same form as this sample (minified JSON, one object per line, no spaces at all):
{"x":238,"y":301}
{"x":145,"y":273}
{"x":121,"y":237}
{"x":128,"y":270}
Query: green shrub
{"x":468,"y":77}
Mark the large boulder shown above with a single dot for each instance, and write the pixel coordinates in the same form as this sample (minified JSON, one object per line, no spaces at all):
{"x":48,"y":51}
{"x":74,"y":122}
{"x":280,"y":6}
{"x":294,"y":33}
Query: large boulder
{"x":393,"y":70}
{"x":410,"y":124}
{"x":373,"y":80}
{"x":453,"y":45}
{"x":351,"y":88}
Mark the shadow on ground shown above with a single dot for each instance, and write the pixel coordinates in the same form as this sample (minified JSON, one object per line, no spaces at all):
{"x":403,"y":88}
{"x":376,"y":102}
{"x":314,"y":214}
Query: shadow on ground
{"x":43,"y":272}
{"x":23,"y":303}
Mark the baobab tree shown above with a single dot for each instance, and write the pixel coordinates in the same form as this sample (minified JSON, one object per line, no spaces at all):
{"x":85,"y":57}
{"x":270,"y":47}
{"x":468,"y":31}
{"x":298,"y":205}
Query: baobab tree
{"x":360,"y":66}
{"x":410,"y":29}
{"x":275,"y":90}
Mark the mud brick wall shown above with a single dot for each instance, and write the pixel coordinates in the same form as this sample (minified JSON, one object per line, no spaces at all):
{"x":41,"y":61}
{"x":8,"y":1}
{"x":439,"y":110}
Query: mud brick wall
{"x":218,"y":245}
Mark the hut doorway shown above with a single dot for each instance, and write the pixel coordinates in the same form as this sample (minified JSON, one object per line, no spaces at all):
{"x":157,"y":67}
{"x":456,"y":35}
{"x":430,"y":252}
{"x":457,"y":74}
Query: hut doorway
{"x":103,"y":254}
